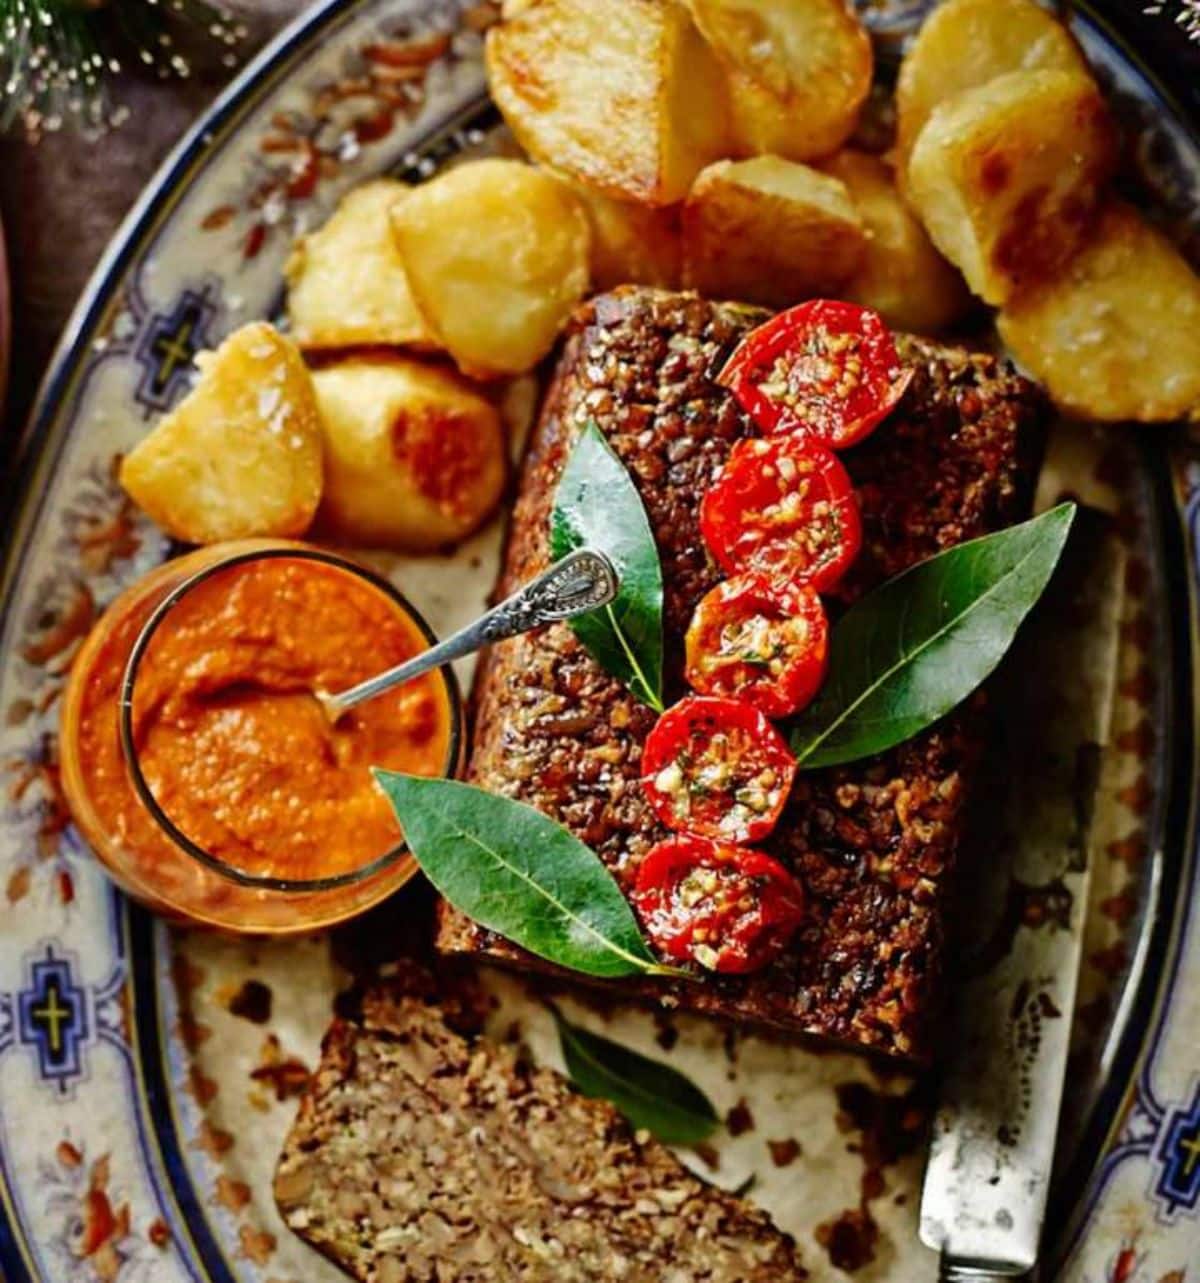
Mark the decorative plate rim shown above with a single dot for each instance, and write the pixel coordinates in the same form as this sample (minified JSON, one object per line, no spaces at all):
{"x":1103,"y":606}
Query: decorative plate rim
{"x":1078,"y":1189}
{"x":45,"y":433}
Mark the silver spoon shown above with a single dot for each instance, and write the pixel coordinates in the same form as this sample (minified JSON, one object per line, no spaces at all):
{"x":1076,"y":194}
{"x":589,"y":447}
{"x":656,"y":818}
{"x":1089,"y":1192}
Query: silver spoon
{"x":583,"y":580}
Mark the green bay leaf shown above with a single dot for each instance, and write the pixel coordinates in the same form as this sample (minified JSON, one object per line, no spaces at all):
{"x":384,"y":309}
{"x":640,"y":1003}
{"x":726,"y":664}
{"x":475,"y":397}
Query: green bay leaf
{"x":517,"y":872}
{"x":650,"y":1094}
{"x":908,"y":652}
{"x":598,"y":506}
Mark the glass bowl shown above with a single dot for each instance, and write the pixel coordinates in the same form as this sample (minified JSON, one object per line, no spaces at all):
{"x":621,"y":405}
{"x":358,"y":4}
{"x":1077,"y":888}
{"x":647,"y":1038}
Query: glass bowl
{"x":117,"y":811}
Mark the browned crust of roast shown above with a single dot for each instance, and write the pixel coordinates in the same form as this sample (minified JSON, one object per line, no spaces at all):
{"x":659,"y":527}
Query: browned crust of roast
{"x":874,"y":844}
{"x":422,"y":1154}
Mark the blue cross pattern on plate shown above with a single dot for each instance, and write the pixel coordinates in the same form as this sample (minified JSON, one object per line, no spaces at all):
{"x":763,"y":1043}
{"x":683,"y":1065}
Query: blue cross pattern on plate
{"x":169,"y":345}
{"x":52,"y":1017}
{"x":1178,"y":1183}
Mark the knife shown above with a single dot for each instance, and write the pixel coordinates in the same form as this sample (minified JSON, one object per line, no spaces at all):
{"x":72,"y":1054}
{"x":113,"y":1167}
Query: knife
{"x":992,"y":1148}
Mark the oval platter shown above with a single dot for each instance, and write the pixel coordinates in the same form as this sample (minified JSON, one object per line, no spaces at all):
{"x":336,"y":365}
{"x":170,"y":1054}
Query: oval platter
{"x":147,"y":1075}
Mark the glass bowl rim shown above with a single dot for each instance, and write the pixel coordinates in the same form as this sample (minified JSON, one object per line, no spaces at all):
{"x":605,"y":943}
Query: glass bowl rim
{"x":129,"y":751}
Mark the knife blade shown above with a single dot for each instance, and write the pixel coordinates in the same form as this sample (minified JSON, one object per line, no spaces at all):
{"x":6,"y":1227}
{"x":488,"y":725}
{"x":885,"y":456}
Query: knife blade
{"x":992,"y":1147}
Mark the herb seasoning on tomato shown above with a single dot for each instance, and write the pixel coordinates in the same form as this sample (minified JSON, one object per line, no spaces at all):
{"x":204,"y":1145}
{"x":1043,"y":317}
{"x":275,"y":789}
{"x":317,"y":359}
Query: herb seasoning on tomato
{"x":725,"y":907}
{"x":826,"y":368}
{"x":783,"y":506}
{"x":762,"y":641}
{"x":717,"y":768}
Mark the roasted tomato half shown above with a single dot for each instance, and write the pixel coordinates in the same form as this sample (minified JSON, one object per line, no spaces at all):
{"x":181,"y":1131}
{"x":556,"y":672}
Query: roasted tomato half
{"x":761,"y":641}
{"x":785,"y":507}
{"x":723,"y":906}
{"x":828,"y":369}
{"x":717,"y":768}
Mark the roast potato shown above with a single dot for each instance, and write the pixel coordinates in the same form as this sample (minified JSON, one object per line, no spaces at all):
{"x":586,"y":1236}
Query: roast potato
{"x":626,"y":98}
{"x":1007,"y":177}
{"x":797,"y":73}
{"x":901,"y":275}
{"x":346,"y":281}
{"x":1116,"y":334}
{"x":965,"y":43}
{"x":497,"y":256}
{"x":769,"y":231}
{"x":414,"y":456}
{"x":241,"y":453}
{"x":631,"y":243}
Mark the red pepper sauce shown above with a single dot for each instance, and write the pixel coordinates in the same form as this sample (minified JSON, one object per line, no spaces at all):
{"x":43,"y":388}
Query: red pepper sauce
{"x":231,"y":743}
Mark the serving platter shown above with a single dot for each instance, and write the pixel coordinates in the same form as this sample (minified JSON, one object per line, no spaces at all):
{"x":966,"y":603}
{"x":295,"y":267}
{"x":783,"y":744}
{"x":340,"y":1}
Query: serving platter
{"x":147,"y":1074}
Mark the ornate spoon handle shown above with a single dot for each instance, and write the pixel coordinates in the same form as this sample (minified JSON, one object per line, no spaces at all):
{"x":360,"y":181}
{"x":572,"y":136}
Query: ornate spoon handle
{"x":583,"y":580}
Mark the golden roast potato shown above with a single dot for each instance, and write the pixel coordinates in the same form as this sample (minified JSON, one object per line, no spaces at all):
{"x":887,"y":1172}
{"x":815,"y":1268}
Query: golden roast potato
{"x":631,"y":243}
{"x":797,"y":72}
{"x":241,"y":453}
{"x":1007,"y":177}
{"x":414,"y":456}
{"x":497,"y":256}
{"x":965,"y":43}
{"x":626,"y":97}
{"x":1116,"y":334}
{"x":346,"y":281}
{"x":901,"y":275}
{"x":769,"y":231}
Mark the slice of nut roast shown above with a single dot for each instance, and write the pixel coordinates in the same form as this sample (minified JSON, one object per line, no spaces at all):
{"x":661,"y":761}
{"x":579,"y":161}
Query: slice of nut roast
{"x":424,"y":1153}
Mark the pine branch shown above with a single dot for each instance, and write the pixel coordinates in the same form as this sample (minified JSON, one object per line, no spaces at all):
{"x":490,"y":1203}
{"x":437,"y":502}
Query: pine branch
{"x":58,"y":57}
{"x":1184,"y":13}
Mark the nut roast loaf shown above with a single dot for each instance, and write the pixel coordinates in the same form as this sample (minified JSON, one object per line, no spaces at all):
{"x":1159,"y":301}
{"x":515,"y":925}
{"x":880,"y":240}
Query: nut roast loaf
{"x":874,"y":843}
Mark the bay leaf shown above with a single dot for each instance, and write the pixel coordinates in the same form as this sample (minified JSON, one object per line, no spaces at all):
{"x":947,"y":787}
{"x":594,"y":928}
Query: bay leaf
{"x":515,"y":871}
{"x":649,"y":1094}
{"x":598,"y":506}
{"x":907,"y":653}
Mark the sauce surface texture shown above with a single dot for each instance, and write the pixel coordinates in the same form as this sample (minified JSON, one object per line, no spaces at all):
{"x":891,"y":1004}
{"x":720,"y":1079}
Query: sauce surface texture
{"x":232,"y":744}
